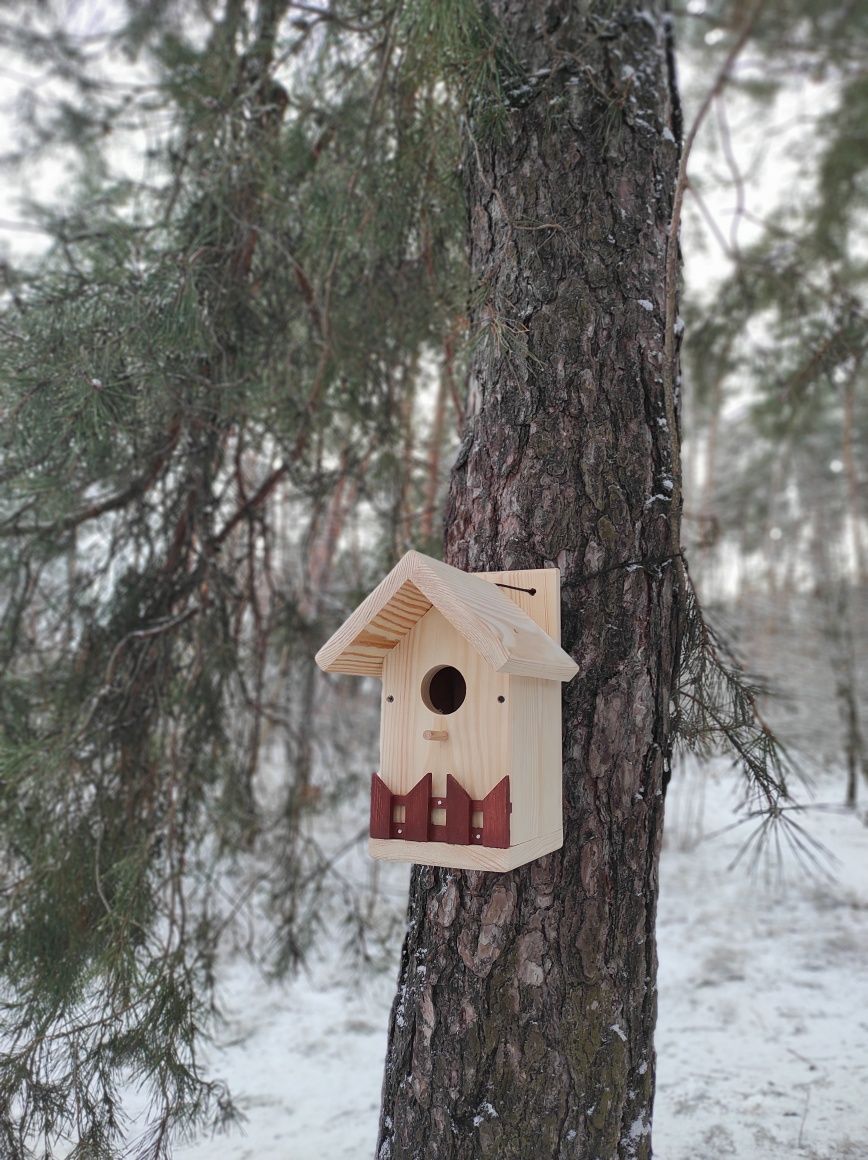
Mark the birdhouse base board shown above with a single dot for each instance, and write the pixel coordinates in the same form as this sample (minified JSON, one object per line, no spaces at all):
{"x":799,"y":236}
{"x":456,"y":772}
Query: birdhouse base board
{"x":464,"y":857}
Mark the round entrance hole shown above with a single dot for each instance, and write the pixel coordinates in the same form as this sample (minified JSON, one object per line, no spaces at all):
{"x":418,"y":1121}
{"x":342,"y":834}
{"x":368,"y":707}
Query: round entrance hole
{"x":444,"y":689}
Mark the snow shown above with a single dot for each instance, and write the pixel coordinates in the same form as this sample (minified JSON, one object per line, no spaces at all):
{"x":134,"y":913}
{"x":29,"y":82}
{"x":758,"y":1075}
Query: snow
{"x":638,"y":1129}
{"x":762,"y":1041}
{"x":486,"y":1112}
{"x":648,"y":18}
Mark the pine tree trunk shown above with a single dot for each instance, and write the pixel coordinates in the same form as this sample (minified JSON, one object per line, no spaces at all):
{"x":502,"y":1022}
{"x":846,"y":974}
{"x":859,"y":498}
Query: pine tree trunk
{"x":523,"y":1024}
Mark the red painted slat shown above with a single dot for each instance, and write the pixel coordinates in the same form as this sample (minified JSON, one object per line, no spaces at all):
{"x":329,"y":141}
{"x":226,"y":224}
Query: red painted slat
{"x":381,"y":808}
{"x":458,"y":806}
{"x":418,"y":811}
{"x":495,"y":816}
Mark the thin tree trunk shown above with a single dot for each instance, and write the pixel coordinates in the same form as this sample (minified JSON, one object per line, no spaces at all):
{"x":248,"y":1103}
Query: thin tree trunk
{"x":708,"y":525}
{"x":523,"y":1024}
{"x":323,"y":543}
{"x":449,"y":376}
{"x":854,"y":504}
{"x":432,"y":469}
{"x":323,"y":547}
{"x":404,"y":495}
{"x":835,"y":596}
{"x":848,"y":677}
{"x":846,"y":690}
{"x":854,"y":745}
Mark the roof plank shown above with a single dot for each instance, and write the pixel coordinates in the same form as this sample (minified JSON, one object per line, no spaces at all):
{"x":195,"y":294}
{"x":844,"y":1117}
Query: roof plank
{"x":495,"y":626}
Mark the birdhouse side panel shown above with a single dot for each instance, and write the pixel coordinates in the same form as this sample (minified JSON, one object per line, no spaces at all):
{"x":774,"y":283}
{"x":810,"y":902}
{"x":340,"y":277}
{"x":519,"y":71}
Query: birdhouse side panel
{"x":471,"y":742}
{"x":536,"y":768}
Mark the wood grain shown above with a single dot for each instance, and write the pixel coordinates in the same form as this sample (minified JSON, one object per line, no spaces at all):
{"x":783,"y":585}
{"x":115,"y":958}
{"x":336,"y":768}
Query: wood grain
{"x":505,"y":636}
{"x":508,"y":726}
{"x":464,"y":857}
{"x":535,"y":763}
{"x":476,"y":749}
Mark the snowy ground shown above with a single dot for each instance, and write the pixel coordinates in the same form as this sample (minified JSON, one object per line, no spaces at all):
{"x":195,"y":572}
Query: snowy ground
{"x":763,"y":1030}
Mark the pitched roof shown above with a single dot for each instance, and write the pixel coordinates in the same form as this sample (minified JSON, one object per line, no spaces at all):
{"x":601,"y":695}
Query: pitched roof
{"x":489,"y":621}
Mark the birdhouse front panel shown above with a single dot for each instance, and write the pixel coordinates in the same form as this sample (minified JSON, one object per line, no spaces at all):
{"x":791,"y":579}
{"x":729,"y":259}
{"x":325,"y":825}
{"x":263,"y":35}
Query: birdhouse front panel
{"x":444,"y":733}
{"x":470,"y":735}
{"x":441,"y":713}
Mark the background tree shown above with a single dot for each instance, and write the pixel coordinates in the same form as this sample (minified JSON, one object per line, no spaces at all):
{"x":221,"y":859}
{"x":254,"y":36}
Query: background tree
{"x":776,"y":367}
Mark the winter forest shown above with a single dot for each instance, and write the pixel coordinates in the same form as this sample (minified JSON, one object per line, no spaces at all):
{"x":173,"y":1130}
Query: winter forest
{"x":290,"y":290}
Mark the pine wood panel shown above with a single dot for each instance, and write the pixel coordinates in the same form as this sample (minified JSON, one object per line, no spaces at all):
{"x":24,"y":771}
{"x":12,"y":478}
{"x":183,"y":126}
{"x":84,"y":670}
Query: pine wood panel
{"x":544,"y":606}
{"x":495,"y":625}
{"x":535,"y":757}
{"x":535,"y":763}
{"x":485,"y":739}
{"x":507,"y":637}
{"x":464,"y":857}
{"x":476,"y":749}
{"x":519,"y":737}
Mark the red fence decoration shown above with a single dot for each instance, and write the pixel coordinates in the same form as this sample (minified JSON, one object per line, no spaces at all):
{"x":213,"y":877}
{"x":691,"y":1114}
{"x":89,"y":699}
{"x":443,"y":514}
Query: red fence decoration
{"x":417,"y":826}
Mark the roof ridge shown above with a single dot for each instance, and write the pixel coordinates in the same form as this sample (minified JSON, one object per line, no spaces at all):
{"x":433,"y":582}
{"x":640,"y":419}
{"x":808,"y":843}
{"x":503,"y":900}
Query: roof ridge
{"x":504,"y":635}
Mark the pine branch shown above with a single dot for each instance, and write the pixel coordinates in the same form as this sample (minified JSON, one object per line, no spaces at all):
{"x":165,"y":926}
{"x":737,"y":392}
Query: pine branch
{"x":718,"y":709}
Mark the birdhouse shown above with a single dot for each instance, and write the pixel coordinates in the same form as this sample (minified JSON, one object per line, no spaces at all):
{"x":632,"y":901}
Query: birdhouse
{"x":470,"y":729}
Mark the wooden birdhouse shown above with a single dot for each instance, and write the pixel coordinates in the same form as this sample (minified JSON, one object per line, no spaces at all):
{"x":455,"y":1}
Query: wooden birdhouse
{"x":470,"y":730}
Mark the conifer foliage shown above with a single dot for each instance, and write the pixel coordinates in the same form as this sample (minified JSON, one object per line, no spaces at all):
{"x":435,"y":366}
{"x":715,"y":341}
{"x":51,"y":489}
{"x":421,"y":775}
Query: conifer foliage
{"x":228,"y":337}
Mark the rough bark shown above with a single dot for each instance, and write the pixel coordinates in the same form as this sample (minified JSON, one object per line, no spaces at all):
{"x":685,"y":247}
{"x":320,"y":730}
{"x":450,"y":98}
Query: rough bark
{"x":523,"y":1024}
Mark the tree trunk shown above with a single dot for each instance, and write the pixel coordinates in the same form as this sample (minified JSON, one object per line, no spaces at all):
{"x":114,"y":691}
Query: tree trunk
{"x":523,"y":1024}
